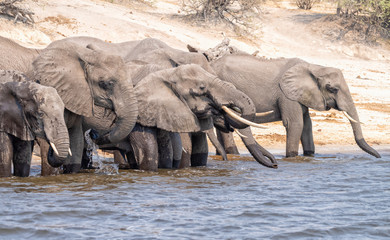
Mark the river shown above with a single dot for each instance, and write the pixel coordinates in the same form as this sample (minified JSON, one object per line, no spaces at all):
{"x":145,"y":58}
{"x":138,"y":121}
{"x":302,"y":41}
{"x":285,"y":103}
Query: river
{"x":330,"y":196}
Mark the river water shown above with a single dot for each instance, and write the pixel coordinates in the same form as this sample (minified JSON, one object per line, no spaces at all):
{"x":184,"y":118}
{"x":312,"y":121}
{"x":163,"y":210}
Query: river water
{"x":331,"y":196}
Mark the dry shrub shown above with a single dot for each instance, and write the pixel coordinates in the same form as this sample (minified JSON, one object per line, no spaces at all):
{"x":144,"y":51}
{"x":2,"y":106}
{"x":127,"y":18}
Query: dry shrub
{"x":305,"y":4}
{"x":238,"y":14}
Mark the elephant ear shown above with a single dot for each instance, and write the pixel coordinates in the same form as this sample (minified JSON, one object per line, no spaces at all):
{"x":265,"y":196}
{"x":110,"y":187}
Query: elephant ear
{"x":299,"y":83}
{"x":12,"y":119}
{"x":63,"y":68}
{"x":159,"y":106}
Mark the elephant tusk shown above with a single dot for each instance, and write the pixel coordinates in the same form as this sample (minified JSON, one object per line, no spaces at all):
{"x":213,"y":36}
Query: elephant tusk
{"x":184,"y":150}
{"x":240,"y":119}
{"x":349,"y":117}
{"x":262,"y":114}
{"x":54,"y":148}
{"x":70,"y":152}
{"x":240,"y":134}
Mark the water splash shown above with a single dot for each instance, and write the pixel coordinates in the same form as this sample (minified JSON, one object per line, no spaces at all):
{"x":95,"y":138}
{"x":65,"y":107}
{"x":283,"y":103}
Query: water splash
{"x":101,"y":164}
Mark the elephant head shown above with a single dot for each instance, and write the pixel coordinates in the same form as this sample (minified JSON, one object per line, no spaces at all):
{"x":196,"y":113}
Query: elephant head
{"x":85,"y":76}
{"x":184,"y":99}
{"x":323,"y":88}
{"x":30,"y":110}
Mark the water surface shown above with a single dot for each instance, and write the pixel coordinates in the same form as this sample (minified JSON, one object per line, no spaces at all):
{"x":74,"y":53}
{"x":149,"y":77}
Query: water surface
{"x":330,"y":196}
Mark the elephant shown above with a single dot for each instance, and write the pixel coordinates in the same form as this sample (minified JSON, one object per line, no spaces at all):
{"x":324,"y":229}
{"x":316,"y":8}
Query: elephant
{"x":16,"y":57}
{"x":28,"y":111}
{"x":289,"y":87}
{"x":84,"y":77}
{"x":178,"y":100}
{"x":146,"y":51}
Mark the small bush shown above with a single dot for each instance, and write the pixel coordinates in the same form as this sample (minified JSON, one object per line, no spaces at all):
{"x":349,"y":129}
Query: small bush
{"x":305,"y":4}
{"x":237,"y":13}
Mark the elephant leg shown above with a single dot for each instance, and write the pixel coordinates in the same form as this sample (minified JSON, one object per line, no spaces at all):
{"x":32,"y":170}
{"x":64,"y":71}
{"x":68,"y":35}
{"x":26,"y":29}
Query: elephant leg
{"x":165,"y":151}
{"x":76,"y":137}
{"x":177,"y":148}
{"x":6,"y":155}
{"x":227,"y":141}
{"x":260,"y":154}
{"x":22,"y":157}
{"x":200,"y":149}
{"x":307,"y":134}
{"x":120,"y":159}
{"x":131,"y":160}
{"x":186,"y":142}
{"x":144,"y":143}
{"x":46,"y":169}
{"x":292,"y":117}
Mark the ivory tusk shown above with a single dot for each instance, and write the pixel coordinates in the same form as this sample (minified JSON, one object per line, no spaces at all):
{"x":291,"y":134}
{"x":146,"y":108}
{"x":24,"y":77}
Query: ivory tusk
{"x":54,"y":148}
{"x":240,"y":134}
{"x":240,"y":119}
{"x":262,"y":114}
{"x":349,"y":117}
{"x":184,"y":150}
{"x":70,"y":152}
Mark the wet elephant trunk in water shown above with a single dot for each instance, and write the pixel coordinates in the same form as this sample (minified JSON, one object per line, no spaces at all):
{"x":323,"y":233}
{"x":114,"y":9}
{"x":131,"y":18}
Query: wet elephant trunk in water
{"x":357,"y":132}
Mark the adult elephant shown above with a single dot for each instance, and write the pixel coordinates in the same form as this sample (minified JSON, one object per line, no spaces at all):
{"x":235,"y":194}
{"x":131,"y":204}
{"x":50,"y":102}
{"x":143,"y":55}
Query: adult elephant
{"x":147,"y":51}
{"x":289,"y":87}
{"x":85,"y":77}
{"x":29,"y":111}
{"x":181,"y":99}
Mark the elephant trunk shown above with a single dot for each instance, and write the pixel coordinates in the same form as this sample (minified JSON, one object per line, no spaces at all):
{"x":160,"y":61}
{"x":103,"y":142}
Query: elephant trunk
{"x":218,"y":146}
{"x":62,"y":148}
{"x":126,"y":110}
{"x":357,"y":132}
{"x":225,"y":94}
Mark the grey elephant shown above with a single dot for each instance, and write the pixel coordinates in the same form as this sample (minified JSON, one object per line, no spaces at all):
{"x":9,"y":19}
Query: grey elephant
{"x":84,"y":77}
{"x":181,"y":99}
{"x":29,"y":111}
{"x":145,"y":51}
{"x":289,"y":87}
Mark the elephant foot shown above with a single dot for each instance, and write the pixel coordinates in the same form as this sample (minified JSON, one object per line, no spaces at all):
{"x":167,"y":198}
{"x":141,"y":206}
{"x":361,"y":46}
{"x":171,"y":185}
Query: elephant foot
{"x":291,"y":154}
{"x":308,"y":153}
{"x":199,"y":159}
{"x":71,"y":168}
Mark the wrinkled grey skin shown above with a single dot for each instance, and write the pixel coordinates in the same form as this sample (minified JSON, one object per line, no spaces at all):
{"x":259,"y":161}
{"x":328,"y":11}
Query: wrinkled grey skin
{"x":290,"y":87}
{"x":146,"y":51}
{"x":173,"y":100}
{"x":16,"y":57}
{"x":153,"y":53}
{"x":28,"y":111}
{"x":84,"y":77}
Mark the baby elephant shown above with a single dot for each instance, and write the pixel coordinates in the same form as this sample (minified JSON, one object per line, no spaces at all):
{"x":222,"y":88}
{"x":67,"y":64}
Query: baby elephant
{"x":29,"y":110}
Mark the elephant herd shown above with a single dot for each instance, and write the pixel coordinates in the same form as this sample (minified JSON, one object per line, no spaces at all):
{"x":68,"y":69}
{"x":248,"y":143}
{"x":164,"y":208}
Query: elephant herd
{"x":154,"y":104}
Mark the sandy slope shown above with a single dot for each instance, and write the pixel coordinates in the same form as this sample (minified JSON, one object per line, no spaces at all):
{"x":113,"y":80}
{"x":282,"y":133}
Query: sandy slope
{"x":287,"y":32}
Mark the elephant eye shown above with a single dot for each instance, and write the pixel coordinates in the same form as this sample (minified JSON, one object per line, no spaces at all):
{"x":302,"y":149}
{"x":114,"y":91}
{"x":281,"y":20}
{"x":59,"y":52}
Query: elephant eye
{"x":331,"y":89}
{"x":107,"y":85}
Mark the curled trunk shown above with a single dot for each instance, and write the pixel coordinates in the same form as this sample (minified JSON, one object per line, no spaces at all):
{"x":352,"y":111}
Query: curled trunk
{"x":126,"y":110}
{"x":357,"y":132}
